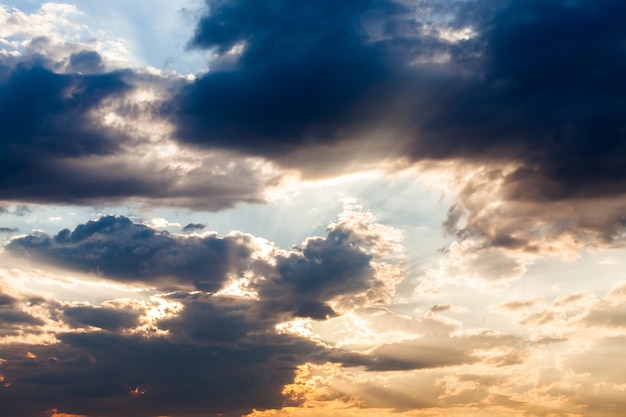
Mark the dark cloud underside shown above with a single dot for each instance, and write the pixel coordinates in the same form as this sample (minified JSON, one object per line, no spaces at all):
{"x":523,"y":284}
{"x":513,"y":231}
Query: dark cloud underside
{"x":539,"y":83}
{"x":109,"y":375}
{"x":213,"y":355}
{"x":103,"y":318}
{"x":297,"y":283}
{"x":116,"y":248}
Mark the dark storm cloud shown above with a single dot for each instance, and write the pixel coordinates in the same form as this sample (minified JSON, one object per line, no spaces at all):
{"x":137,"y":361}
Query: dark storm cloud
{"x":45,"y":114}
{"x":300,"y":282}
{"x":57,"y":147}
{"x":106,"y":374}
{"x":211,"y":355}
{"x":103,"y":318}
{"x":12,"y":316}
{"x":303,"y":70}
{"x":323,"y":269}
{"x":550,"y":94}
{"x":117,"y":248}
{"x":86,"y":62}
{"x":9,"y":318}
{"x":217,"y":357}
{"x":46,"y":121}
{"x":213,"y":322}
{"x":540,"y":83}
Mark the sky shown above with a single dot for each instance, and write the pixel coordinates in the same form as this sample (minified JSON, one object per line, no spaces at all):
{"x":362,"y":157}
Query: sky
{"x":280,"y":208}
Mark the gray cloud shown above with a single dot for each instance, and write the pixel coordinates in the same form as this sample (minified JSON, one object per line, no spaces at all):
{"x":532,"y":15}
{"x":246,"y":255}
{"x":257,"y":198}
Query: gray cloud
{"x":106,"y":374}
{"x":86,"y":62}
{"x":103,"y":318}
{"x":300,"y":282}
{"x":535,"y":87}
{"x":117,"y":248}
{"x":194,"y":227}
{"x":60,"y":148}
{"x":323,"y":269}
{"x":550,"y":100}
{"x":13,"y":317}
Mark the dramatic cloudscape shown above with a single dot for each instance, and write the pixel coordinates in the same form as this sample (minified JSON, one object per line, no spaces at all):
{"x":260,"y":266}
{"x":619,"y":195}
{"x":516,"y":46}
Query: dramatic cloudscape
{"x":289,"y":208}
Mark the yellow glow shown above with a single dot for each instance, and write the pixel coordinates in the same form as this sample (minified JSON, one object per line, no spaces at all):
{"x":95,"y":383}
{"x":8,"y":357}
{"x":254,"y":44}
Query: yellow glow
{"x":137,"y":391}
{"x":239,"y":288}
{"x":157,"y":308}
{"x":292,"y":184}
{"x":299,"y":327}
{"x":55,"y":413}
{"x":313,"y":383}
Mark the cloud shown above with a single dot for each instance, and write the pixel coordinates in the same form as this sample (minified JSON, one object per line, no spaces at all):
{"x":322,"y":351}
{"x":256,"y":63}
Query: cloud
{"x":38,"y":125}
{"x":97,"y":373}
{"x":117,"y":248}
{"x":343,"y":269}
{"x":214,"y":353}
{"x":294,"y":80}
{"x":194,"y":227}
{"x":291,"y":83}
{"x":520,"y":305}
{"x":94,"y":139}
{"x":86,"y":62}
{"x":103,"y":318}
{"x":94,"y":136}
{"x":609,"y":311}
{"x":460,"y":82}
{"x":436,"y":351}
{"x":378,"y":81}
{"x":13,"y":318}
{"x":323,"y":269}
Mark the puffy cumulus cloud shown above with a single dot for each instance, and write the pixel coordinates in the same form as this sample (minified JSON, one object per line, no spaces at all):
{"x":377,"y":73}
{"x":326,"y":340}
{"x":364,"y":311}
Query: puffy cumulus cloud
{"x":309,"y":85}
{"x":519,"y":305}
{"x":581,"y":314}
{"x":26,"y":317}
{"x":365,"y":329}
{"x":199,"y":351}
{"x":609,"y":311}
{"x":330,"y":389}
{"x":119,"y":249}
{"x":324,"y":269}
{"x":352,"y":262}
{"x":584,"y":381}
{"x":53,"y":32}
{"x":483,"y":372}
{"x":81,"y":125}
